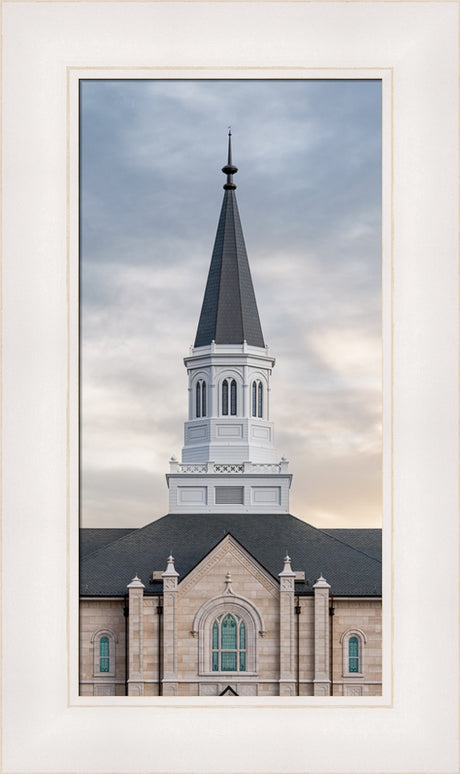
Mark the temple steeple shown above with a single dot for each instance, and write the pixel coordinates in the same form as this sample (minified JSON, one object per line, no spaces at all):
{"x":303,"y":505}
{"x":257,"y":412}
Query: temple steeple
{"x":229,"y":312}
{"x":229,"y":460}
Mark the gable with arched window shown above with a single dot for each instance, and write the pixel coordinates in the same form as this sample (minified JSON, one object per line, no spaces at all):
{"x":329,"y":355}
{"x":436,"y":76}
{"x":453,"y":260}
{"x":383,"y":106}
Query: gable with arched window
{"x":353,"y":644}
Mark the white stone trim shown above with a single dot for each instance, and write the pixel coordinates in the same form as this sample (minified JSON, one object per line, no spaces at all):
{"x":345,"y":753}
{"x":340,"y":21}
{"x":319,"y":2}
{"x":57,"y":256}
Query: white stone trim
{"x":344,"y":640}
{"x":95,"y":640}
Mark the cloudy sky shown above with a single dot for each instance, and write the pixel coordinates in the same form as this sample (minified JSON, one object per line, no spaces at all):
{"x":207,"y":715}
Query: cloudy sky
{"x":309,"y":195}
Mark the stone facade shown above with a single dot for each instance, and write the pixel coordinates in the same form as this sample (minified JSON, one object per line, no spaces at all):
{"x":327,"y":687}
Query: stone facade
{"x":293,"y":644}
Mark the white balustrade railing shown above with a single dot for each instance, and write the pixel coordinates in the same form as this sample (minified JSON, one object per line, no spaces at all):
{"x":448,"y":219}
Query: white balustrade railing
{"x":228,"y":467}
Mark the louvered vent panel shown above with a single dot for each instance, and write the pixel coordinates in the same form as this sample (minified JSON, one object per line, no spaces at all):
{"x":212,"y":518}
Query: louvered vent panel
{"x":229,"y":495}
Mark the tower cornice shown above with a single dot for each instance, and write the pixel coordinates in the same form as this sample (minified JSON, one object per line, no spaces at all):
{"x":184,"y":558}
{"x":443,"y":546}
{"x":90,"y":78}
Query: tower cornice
{"x":223,"y":354}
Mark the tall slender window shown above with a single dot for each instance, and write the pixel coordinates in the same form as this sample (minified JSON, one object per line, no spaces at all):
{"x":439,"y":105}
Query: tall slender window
{"x":203,"y":399}
{"x":233,"y":397}
{"x":228,"y":644}
{"x":257,"y":399}
{"x":198,"y":399}
{"x":104,"y":654}
{"x":225,"y":397}
{"x":353,"y":654}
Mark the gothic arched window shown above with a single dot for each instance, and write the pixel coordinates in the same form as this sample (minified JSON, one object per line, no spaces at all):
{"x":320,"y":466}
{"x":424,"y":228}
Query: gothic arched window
{"x":233,"y":397}
{"x":200,"y":399}
{"x":257,"y":399}
{"x":104,"y":657}
{"x":228,"y":644}
{"x":225,"y":397}
{"x":353,"y":654}
{"x":103,"y":643}
{"x":203,"y":399}
{"x":353,"y":643}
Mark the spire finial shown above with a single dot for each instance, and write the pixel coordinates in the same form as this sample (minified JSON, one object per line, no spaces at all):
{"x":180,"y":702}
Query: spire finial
{"x":229,"y":162}
{"x":229,"y":169}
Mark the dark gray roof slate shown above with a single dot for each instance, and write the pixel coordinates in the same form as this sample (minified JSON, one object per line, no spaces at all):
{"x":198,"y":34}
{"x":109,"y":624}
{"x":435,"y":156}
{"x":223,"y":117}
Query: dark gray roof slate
{"x":190,"y":537}
{"x":93,"y":538}
{"x":369,"y":541}
{"x":229,"y":312}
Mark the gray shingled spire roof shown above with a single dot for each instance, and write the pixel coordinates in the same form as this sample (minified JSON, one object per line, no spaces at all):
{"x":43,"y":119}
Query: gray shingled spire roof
{"x":229,"y":313}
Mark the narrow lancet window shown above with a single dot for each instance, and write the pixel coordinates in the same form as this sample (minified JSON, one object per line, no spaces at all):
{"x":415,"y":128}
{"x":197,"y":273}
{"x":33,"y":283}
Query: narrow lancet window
{"x":198,"y":399}
{"x":353,"y":654}
{"x":104,"y":654}
{"x":225,"y":397}
{"x":203,"y":399}
{"x":233,"y":397}
{"x":259,"y":399}
{"x":254,"y":399}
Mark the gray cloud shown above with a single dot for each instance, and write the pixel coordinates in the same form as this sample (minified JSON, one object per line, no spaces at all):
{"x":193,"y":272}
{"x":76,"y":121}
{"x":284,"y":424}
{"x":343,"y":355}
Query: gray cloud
{"x":309,"y":197}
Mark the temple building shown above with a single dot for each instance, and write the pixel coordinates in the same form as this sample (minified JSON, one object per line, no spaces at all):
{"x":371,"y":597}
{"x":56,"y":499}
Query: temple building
{"x":231,"y":614}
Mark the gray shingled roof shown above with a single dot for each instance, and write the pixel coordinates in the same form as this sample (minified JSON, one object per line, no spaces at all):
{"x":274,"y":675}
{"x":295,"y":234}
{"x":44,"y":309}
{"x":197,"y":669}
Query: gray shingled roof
{"x":190,"y":537}
{"x":229,"y":313}
{"x":369,"y":541}
{"x":93,"y":538}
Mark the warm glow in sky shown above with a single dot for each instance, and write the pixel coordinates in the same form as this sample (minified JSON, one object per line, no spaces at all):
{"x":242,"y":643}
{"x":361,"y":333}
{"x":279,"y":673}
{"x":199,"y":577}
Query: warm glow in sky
{"x":309,"y":196}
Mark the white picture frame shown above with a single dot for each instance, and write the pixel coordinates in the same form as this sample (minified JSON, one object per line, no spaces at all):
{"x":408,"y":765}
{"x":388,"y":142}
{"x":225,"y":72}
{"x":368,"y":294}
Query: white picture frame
{"x":414,"y":49}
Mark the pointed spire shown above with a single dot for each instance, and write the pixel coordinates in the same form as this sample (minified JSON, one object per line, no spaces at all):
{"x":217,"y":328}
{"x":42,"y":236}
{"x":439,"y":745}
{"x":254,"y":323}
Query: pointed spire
{"x":229,"y":312}
{"x":229,"y":169}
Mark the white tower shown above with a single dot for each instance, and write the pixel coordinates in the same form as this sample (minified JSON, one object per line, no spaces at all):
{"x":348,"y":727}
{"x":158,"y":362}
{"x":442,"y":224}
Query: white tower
{"x":229,"y":460}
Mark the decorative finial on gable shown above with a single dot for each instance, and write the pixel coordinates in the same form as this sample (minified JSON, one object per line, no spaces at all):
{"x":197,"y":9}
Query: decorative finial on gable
{"x":287,"y":569}
{"x":136,"y":583}
{"x":321,"y":583}
{"x":170,"y":569}
{"x":228,"y":584}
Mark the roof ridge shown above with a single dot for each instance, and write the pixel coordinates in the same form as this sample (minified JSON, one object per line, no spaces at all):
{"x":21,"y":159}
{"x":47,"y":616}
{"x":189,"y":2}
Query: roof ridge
{"x":344,"y":543}
{"x":237,"y":264}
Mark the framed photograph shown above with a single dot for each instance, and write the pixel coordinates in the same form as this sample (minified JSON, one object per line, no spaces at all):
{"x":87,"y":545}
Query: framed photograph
{"x":313,"y":198}
{"x":65,"y":62}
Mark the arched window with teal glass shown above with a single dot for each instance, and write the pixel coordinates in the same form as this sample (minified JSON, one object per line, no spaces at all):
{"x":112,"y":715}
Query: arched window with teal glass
{"x":228,"y":644}
{"x":353,"y":655}
{"x":353,"y":643}
{"x":104,"y":654}
{"x":259,"y":399}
